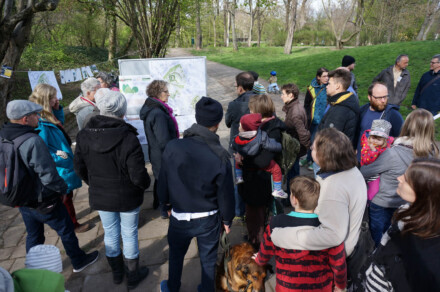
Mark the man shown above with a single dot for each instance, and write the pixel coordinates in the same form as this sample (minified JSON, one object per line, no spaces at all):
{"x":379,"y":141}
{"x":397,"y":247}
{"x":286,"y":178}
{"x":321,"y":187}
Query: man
{"x":378,"y":108}
{"x":397,"y":80}
{"x":239,"y":107}
{"x":427,"y":93}
{"x":44,"y":187}
{"x":342,"y":110}
{"x":84,"y":105}
{"x":196,"y":180}
{"x":349,"y":62}
{"x":236,"y":109}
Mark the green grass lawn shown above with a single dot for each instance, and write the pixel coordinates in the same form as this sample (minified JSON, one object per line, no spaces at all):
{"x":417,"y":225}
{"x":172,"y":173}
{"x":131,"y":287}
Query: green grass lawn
{"x":300,"y":67}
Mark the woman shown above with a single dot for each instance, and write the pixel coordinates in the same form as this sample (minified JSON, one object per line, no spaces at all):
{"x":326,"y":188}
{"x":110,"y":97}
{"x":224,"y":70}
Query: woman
{"x":58,"y":142}
{"x":160,"y":127}
{"x":296,"y":124}
{"x":106,"y":81}
{"x":109,"y":158}
{"x":257,"y":188}
{"x":408,"y":257}
{"x":315,"y":103}
{"x":416,"y":140}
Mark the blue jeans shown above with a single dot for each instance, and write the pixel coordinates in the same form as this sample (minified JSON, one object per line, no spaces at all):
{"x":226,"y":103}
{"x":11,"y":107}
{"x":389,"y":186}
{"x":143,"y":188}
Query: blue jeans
{"x":59,"y":221}
{"x":380,"y":220}
{"x":272,"y":87}
{"x":180,"y":233}
{"x":240,"y":207}
{"x":116,"y":224}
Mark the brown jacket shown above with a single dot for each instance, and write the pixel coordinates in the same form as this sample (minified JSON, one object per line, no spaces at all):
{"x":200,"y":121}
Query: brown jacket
{"x":296,"y":123}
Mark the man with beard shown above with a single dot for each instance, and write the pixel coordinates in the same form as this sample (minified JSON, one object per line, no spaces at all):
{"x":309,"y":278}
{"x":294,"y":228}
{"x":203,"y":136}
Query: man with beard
{"x":378,"y":108}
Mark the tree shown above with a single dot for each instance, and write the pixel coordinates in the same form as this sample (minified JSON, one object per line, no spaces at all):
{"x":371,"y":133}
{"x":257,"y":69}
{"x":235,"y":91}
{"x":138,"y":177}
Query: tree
{"x":339,"y":16}
{"x":291,"y":27}
{"x":198,"y":27}
{"x":432,"y":10}
{"x":151,"y":23}
{"x":234,"y":34}
{"x":15,"y":27}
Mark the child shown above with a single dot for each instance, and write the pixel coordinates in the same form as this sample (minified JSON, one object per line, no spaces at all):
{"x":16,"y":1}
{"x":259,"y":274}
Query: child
{"x":302,"y":270}
{"x":273,"y":86}
{"x":249,"y":142}
{"x":377,"y":142}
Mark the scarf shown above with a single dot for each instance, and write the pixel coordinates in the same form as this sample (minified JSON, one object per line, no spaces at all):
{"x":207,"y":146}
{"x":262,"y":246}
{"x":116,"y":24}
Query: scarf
{"x":170,"y":112}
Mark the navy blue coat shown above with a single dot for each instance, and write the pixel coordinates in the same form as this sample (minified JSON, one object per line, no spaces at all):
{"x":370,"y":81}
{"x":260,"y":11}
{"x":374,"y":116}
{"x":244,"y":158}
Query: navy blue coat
{"x":236,"y":109}
{"x":429,"y":99}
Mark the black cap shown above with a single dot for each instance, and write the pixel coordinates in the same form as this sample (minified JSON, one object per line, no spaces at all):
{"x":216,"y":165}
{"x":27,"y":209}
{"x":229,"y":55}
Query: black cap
{"x":209,"y":112}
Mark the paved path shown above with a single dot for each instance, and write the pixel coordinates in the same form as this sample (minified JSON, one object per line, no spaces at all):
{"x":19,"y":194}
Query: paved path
{"x":152,"y":229}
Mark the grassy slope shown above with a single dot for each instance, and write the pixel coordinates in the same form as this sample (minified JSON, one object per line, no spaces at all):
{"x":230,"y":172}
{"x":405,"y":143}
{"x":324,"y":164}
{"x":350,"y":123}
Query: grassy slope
{"x":300,"y":67}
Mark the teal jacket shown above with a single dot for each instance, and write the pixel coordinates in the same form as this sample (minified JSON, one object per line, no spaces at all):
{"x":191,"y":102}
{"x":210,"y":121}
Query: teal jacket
{"x":55,"y":140}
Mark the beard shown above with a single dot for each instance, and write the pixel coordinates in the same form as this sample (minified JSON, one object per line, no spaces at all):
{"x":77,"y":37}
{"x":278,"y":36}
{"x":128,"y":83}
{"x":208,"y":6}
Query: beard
{"x":378,"y":106}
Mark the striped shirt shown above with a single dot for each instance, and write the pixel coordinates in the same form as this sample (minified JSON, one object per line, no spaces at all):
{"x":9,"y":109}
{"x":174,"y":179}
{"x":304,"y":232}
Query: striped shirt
{"x":299,"y":270}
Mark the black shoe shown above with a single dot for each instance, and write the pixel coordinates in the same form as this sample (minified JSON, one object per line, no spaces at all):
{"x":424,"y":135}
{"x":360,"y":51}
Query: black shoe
{"x":135,"y":274}
{"x":117,"y":265}
{"x":89,"y":259}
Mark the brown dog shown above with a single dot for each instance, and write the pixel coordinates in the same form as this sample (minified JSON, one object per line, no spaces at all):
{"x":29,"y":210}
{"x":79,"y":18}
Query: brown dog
{"x":241,"y":271}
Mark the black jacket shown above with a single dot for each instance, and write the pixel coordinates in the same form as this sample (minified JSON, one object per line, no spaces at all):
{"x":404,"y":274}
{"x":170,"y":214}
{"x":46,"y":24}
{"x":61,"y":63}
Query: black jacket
{"x":343,"y":115}
{"x":196,"y":174}
{"x":159,"y":129}
{"x":256,"y":190}
{"x":236,"y":109}
{"x":109,"y":158}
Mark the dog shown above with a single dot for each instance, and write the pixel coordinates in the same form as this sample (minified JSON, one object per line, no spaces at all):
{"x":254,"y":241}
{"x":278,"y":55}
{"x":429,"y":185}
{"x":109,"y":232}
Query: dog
{"x":242,"y":272}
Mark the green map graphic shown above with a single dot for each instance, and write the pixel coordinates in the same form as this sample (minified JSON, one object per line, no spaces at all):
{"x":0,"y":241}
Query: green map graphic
{"x":127,"y":89}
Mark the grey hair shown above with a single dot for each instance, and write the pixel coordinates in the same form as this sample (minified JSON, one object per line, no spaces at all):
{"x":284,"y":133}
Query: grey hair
{"x":436,"y":57}
{"x":89,"y":84}
{"x":400,"y":57}
{"x":106,"y":78}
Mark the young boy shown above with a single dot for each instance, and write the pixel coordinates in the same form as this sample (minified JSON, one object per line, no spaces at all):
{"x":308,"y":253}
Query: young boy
{"x":273,"y":86}
{"x":302,"y":270}
{"x":249,"y":142}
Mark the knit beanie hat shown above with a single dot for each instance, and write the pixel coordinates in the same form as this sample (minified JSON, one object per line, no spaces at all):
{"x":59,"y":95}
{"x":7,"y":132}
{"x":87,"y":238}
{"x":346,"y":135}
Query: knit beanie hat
{"x":250,"y":122}
{"x":258,"y":88}
{"x":209,"y":112}
{"x":112,"y":103}
{"x":44,"y":256}
{"x":347,"y":60}
{"x":380,"y":128}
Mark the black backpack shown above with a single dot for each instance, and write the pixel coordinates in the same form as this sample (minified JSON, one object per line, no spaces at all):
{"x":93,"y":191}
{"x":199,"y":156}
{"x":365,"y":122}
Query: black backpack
{"x":15,"y":178}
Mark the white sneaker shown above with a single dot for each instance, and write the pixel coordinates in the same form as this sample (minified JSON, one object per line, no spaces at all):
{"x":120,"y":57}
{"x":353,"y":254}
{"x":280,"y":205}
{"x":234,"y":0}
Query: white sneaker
{"x":239,"y":180}
{"x":279,"y":194}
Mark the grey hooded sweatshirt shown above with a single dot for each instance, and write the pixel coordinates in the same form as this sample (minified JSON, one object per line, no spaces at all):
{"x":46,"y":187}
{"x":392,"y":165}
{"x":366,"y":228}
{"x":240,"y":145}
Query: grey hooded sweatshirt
{"x":82,"y":108}
{"x":391,"y":164}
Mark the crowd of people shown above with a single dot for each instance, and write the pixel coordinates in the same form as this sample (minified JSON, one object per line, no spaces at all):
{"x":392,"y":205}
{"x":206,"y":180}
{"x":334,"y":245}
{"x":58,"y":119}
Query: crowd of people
{"x":376,"y":183}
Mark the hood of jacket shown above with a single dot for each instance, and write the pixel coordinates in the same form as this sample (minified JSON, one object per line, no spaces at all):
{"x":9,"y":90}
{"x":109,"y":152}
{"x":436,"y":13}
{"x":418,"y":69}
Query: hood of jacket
{"x":105,"y":133}
{"x":10,"y":131}
{"x":210,"y":138}
{"x":315,"y":84}
{"x":78,"y":104}
{"x":149,"y":105}
{"x":340,"y":99}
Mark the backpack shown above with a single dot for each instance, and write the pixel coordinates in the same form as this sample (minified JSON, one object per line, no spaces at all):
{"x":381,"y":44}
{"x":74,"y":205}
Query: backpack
{"x":14,"y":176}
{"x":290,"y":149}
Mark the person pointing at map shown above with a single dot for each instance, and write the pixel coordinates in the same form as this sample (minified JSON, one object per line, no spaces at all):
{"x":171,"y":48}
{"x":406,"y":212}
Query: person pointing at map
{"x":160,"y":127}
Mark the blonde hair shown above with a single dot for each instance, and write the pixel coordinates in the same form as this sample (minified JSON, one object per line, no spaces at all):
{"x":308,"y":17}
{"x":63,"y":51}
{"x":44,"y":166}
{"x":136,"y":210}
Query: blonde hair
{"x":262,"y":104}
{"x":419,"y":125}
{"x":42,"y":95}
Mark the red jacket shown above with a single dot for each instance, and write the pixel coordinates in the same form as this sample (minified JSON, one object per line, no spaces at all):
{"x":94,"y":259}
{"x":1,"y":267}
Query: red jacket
{"x":368,"y":156}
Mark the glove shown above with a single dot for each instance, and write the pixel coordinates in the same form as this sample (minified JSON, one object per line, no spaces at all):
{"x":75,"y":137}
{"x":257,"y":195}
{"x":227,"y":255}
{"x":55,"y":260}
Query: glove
{"x":61,"y":154}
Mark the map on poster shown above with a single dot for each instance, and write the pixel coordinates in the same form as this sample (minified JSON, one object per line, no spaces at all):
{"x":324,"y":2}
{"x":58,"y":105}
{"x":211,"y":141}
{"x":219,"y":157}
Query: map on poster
{"x":47,"y":77}
{"x":186,"y":79}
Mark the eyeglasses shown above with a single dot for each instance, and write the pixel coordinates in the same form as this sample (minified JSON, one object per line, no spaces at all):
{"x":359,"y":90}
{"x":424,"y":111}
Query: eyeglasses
{"x":434,"y":62}
{"x":380,"y":97}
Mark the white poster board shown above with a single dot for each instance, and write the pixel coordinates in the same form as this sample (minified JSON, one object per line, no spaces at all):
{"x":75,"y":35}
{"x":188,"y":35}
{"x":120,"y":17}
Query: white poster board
{"x":134,"y":89}
{"x":186,"y":79}
{"x":47,"y":77}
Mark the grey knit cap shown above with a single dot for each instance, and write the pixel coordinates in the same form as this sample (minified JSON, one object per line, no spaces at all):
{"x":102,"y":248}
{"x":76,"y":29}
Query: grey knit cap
{"x":112,"y":103}
{"x":16,"y":109}
{"x":381,"y":128}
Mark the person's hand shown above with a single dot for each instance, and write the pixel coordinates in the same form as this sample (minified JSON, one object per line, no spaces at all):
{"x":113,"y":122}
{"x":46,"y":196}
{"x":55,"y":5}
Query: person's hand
{"x":238,"y":158}
{"x":336,"y":289}
{"x":61,"y":154}
{"x":254,"y":256}
{"x":414,"y":106}
{"x":227,"y":228}
{"x":372,"y":146}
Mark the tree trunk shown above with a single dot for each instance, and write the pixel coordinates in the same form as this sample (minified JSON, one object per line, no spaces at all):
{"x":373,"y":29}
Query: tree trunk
{"x":432,"y":8}
{"x":259,"y":28}
{"x":291,"y":30}
{"x":302,"y":15}
{"x":198,"y":27}
{"x":225,"y":23}
{"x":177,"y":42}
{"x":251,"y":25}
{"x":112,"y":40}
{"x":228,"y":30}
{"x":234,"y":34}
{"x":287,"y":8}
{"x":214,"y":21}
